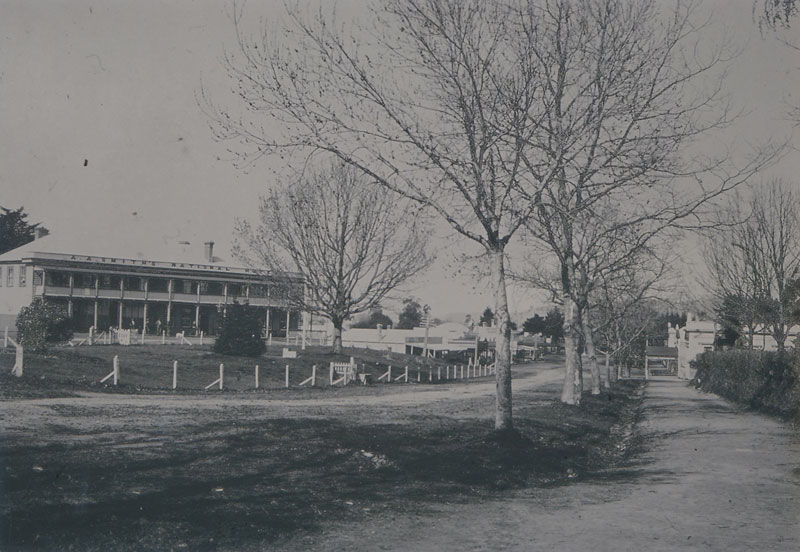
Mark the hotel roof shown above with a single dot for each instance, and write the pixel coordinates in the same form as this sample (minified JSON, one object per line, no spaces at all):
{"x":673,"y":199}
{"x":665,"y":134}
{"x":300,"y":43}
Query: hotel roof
{"x":116,"y":248}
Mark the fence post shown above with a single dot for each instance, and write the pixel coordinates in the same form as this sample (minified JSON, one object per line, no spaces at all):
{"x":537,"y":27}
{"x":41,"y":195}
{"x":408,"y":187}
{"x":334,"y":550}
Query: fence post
{"x":287,"y":376}
{"x":221,"y":375}
{"x":201,"y":341}
{"x":5,"y":338}
{"x":331,"y":373}
{"x":406,"y":374}
{"x":91,"y":335}
{"x":144,"y":333}
{"x":174,"y":374}
{"x":164,"y":337}
{"x":201,"y":337}
{"x":418,"y":375}
{"x":439,"y":373}
{"x":18,"y":360}
{"x":116,"y":369}
{"x":313,"y":375}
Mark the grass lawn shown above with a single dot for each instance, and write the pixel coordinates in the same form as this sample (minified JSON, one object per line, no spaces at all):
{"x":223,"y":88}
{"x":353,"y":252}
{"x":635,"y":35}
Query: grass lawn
{"x":246,"y":471}
{"x":149,"y":368}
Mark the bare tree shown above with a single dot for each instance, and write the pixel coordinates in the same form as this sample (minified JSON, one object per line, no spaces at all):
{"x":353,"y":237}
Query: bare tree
{"x":485,"y":111}
{"x":350,"y":239}
{"x":609,"y":259}
{"x":431,"y":99}
{"x":758,"y":259}
{"x":626,"y":89}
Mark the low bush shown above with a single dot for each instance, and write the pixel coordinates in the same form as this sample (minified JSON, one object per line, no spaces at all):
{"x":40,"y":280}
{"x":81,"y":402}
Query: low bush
{"x":766,"y":381}
{"x":240,"y":332}
{"x":41,"y":323}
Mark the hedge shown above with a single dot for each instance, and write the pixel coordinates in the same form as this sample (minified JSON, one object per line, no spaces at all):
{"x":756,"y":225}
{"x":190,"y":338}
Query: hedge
{"x":765,"y":381}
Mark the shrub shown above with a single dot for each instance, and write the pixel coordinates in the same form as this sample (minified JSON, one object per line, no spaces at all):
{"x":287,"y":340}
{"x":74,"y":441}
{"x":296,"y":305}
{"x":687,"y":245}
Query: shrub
{"x":766,"y":381}
{"x":240,"y":332}
{"x":41,"y":323}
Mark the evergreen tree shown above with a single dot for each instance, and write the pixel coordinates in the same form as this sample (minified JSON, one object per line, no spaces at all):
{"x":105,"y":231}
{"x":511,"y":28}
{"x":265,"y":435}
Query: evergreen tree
{"x":15,"y":230}
{"x":41,"y":323}
{"x":240,"y":332}
{"x":411,"y":316}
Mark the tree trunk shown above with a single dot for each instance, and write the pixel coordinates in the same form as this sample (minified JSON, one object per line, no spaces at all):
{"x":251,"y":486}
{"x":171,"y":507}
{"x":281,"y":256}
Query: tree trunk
{"x":502,"y":419}
{"x":337,"y":335}
{"x":570,"y":393}
{"x":587,"y":336}
{"x":606,"y":374}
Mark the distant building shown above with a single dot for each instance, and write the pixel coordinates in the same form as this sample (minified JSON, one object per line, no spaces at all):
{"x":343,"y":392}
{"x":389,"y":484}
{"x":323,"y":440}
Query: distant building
{"x":698,"y":336}
{"x":443,"y":339}
{"x":104,"y":282}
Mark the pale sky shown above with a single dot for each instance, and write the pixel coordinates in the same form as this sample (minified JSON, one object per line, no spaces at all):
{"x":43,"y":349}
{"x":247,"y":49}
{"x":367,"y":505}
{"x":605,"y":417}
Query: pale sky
{"x":101,"y":129}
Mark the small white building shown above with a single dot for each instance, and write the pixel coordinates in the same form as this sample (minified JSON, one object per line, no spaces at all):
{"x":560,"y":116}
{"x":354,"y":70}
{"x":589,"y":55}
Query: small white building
{"x":698,"y":336}
{"x":442,"y":339}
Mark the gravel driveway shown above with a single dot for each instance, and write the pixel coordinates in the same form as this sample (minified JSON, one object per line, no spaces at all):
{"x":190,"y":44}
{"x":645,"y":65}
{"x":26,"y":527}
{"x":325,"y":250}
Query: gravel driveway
{"x":714,"y":477}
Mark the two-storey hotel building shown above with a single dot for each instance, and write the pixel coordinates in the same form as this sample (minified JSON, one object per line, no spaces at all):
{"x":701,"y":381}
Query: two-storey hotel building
{"x":180,"y":287}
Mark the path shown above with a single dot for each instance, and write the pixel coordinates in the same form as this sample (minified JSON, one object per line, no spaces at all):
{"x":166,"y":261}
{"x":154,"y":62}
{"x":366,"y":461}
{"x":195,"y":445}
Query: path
{"x":714,"y":478}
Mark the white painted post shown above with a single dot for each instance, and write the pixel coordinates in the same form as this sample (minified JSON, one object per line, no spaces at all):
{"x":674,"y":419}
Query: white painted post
{"x":447,"y":372}
{"x":287,"y":376}
{"x":439,"y":373}
{"x":313,"y":375}
{"x":174,"y":374}
{"x":418,"y":376}
{"x":144,"y":331}
{"x":5,"y":338}
{"x":305,"y":329}
{"x":116,"y":369}
{"x":390,"y":374}
{"x":331,"y":373}
{"x":269,"y":339}
{"x":19,"y":361}
{"x":462,"y":371}
{"x":430,"y":375}
{"x":221,"y":375}
{"x":164,"y":337}
{"x":91,"y":335}
{"x":201,"y":340}
{"x":646,"y":368}
{"x":256,"y":369}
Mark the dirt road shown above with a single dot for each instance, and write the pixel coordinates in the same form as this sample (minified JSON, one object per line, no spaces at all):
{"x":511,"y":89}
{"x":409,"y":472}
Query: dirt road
{"x":713,"y":478}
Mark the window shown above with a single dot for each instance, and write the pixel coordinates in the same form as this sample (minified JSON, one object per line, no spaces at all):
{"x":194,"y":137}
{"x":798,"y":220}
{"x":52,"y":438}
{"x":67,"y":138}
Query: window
{"x":10,"y":277}
{"x":211,"y":288}
{"x":133,"y":283}
{"x":23,"y":276}
{"x":57,"y":279}
{"x":108,"y":281}
{"x":158,"y":285}
{"x":84,"y":281}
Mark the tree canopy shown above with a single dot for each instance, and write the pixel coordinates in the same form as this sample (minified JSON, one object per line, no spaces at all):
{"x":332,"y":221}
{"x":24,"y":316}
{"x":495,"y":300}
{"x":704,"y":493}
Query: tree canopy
{"x":15,"y":230}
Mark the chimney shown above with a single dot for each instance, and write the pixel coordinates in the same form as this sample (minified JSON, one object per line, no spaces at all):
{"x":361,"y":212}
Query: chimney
{"x":209,"y":246}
